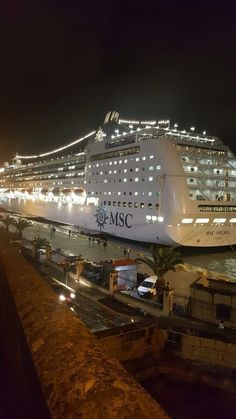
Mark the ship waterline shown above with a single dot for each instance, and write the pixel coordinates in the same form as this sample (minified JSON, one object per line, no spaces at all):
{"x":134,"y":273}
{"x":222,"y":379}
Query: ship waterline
{"x":146,"y":183}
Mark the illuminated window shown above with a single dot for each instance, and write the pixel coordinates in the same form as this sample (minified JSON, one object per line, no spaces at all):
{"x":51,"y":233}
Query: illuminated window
{"x":136,"y":169}
{"x":143,"y":158}
{"x":135,"y":193}
{"x":219,"y":220}
{"x":151,"y":168}
{"x":149,"y":193}
{"x":136,"y":179}
{"x":150,"y":178}
{"x":202,"y":220}
{"x":187,"y":220}
{"x":151,"y":157}
{"x":232,"y":220}
{"x":137,"y":159}
{"x":125,"y":180}
{"x":125,"y":170}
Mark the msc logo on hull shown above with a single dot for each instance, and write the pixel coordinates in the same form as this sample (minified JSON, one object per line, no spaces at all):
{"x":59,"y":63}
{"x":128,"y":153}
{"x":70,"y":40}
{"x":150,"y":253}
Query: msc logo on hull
{"x":118,"y":219}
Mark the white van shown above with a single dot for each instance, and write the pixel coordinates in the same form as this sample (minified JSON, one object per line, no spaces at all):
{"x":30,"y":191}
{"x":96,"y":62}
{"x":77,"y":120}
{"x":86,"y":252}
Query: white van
{"x":148,"y":287}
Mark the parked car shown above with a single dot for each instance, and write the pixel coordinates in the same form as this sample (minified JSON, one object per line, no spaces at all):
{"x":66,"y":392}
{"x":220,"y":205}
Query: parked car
{"x":148,"y":287}
{"x":141,"y":276}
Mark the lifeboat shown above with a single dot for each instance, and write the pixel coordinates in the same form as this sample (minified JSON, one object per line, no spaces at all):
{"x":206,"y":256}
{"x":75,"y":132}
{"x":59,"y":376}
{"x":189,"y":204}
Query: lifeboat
{"x":66,"y":191}
{"x":79,"y":191}
{"x":22,"y":191}
{"x":44,"y":191}
{"x":56,"y":191}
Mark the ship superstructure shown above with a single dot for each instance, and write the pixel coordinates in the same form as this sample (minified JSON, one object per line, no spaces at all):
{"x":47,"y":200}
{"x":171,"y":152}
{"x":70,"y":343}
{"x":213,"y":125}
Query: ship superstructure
{"x":140,"y":180}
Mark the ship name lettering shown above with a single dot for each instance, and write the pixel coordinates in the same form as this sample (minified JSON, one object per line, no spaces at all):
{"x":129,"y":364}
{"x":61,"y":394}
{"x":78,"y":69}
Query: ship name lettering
{"x":121,"y":220}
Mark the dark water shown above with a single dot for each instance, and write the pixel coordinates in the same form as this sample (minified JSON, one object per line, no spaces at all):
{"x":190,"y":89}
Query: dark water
{"x":191,"y":401}
{"x":220,"y":260}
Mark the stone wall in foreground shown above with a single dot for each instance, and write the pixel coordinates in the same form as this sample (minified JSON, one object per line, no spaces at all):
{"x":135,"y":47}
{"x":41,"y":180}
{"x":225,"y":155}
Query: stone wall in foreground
{"x":78,"y":378}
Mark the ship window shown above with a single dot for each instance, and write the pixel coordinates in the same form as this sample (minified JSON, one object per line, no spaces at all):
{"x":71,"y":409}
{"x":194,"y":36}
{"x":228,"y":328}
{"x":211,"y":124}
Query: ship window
{"x":149,"y":193}
{"x":104,"y":202}
{"x":120,"y":161}
{"x":101,"y":173}
{"x":136,"y":169}
{"x":114,"y":172}
{"x":150,"y":178}
{"x":130,"y":179}
{"x":109,"y":193}
{"x":118,"y":193}
{"x":115,"y":162}
{"x":151,"y":157}
{"x":105,"y":180}
{"x":110,"y":163}
{"x":157,"y":206}
{"x":124,"y":193}
{"x":154,"y":218}
{"x":124,"y":204}
{"x":202,"y":220}
{"x":149,"y":205}
{"x":151,"y":168}
{"x":187,"y":220}
{"x":137,"y":159}
{"x":192,"y":169}
{"x":232,"y":220}
{"x":135,"y":193}
{"x":109,"y":203}
{"x":125,"y":170}
{"x":125,"y":161}
{"x":125,"y":179}
{"x":136,"y":179}
{"x":142,"y":205}
{"x":119,"y":204}
{"x":130,"y":205}
{"x":110,"y":172}
{"x":219,"y":220}
{"x":135,"y":205}
{"x":158,"y":167}
{"x":119,"y":180}
{"x":143,"y":158}
{"x":114,"y":203}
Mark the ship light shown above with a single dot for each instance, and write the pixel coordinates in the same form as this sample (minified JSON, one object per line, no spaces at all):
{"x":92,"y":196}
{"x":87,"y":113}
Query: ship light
{"x":160,"y":219}
{"x":202,"y":220}
{"x":232,"y":220}
{"x":192,"y":128}
{"x":187,"y":220}
{"x":219,"y":220}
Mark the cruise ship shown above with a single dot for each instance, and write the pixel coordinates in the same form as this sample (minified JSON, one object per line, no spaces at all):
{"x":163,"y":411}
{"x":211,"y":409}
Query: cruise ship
{"x":139,"y":180}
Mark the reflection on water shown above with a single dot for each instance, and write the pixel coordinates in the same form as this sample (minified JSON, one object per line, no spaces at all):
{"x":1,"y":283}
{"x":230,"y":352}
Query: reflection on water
{"x":189,"y":400}
{"x":223,"y":261}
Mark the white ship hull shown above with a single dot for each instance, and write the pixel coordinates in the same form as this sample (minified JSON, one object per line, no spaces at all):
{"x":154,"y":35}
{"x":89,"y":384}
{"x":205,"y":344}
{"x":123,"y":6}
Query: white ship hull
{"x":85,"y":217}
{"x":153,"y":184}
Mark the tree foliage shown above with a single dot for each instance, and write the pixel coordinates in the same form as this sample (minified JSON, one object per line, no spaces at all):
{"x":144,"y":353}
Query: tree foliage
{"x":161,"y":260}
{"x":7,"y":221}
{"x":21,"y":225}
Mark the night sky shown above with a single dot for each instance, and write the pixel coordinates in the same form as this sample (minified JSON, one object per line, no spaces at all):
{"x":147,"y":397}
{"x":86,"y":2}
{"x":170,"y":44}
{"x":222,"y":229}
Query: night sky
{"x":64,"y":64}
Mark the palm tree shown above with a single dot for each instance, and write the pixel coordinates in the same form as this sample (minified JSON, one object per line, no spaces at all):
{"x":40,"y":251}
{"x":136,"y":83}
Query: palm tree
{"x":20,"y":225}
{"x":7,"y":221}
{"x":162,"y":260}
{"x":38,"y":243}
